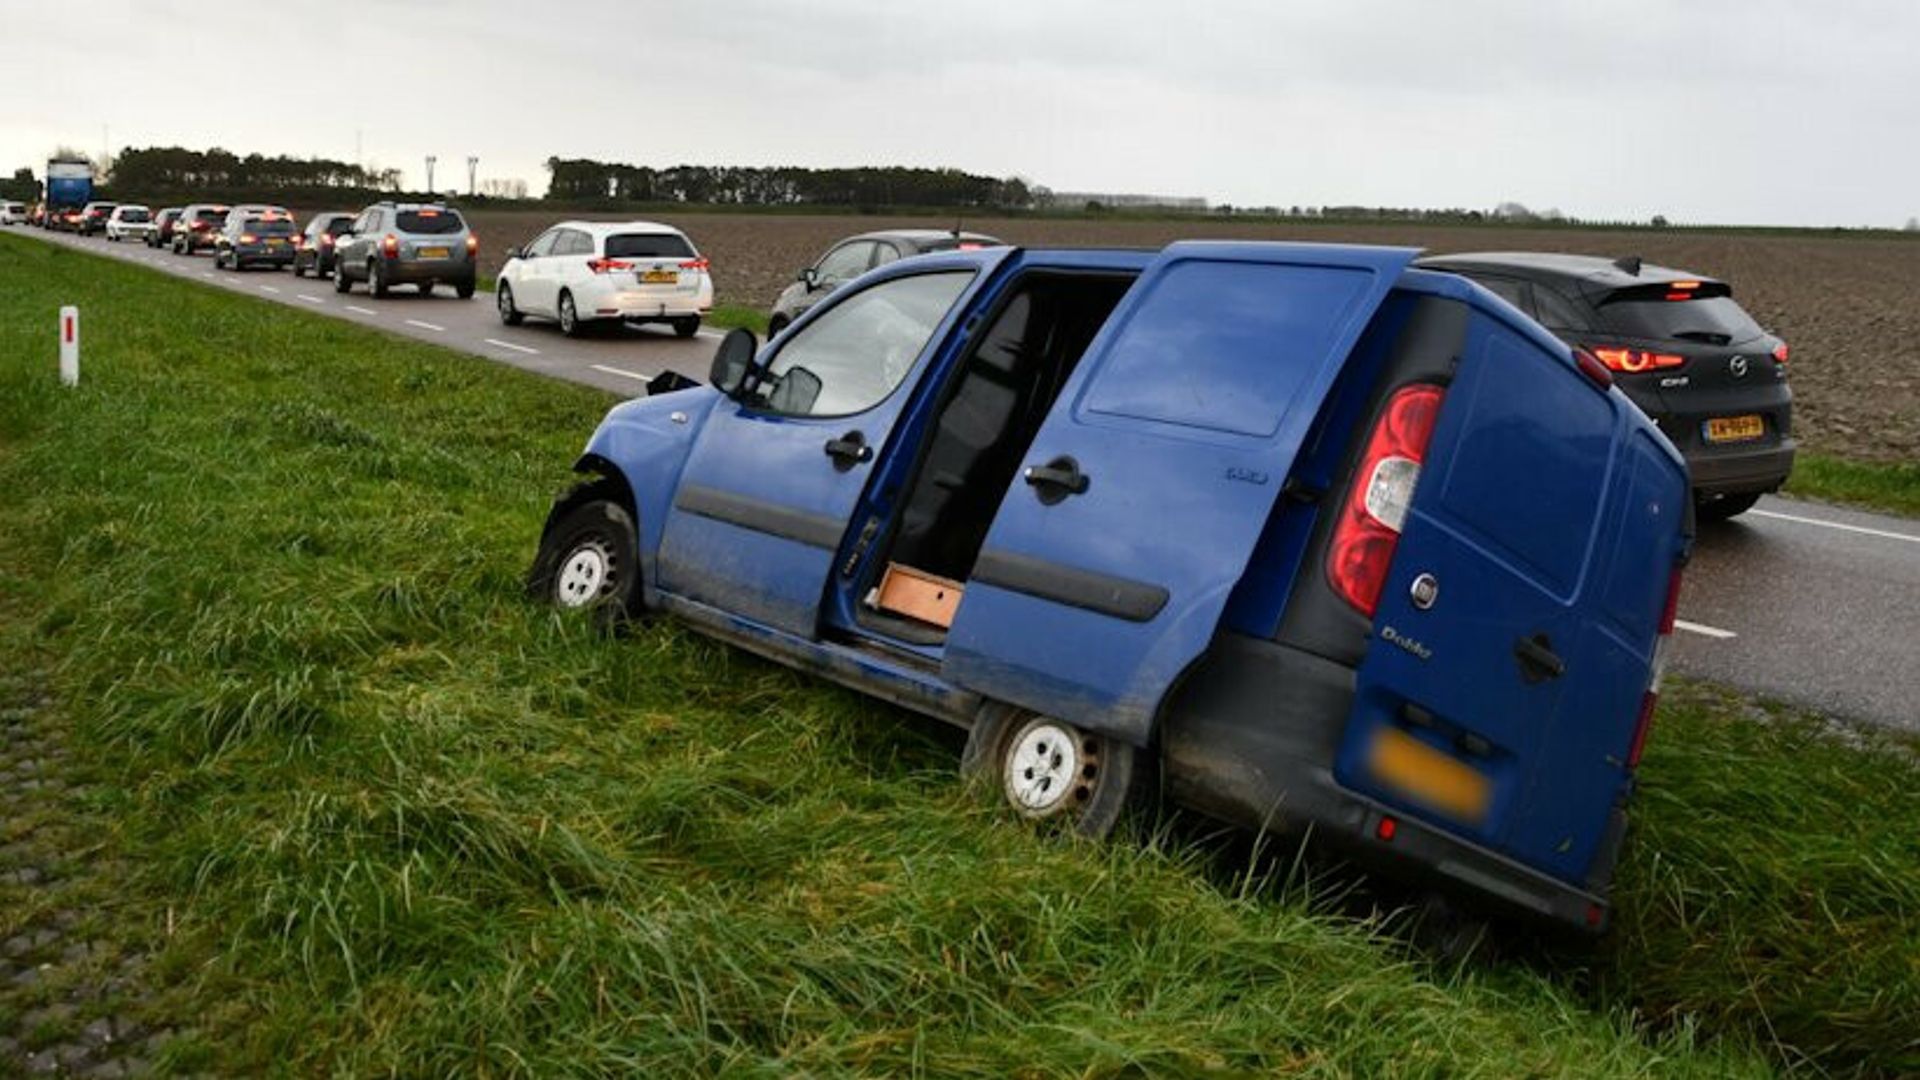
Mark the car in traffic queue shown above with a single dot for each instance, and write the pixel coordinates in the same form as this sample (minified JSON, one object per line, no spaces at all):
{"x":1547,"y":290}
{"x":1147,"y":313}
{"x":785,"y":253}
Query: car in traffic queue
{"x":13,"y":213}
{"x":93,"y":218}
{"x":855,"y":255}
{"x":1325,"y":542}
{"x":583,"y":273}
{"x":255,"y":235}
{"x":418,"y":244}
{"x":317,"y":240}
{"x":163,"y":223}
{"x":129,"y":221}
{"x":198,"y":225}
{"x":1679,"y":346}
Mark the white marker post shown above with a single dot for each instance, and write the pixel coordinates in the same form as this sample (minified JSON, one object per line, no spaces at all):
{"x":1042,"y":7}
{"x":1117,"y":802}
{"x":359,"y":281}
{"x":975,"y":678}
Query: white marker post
{"x":70,"y":346}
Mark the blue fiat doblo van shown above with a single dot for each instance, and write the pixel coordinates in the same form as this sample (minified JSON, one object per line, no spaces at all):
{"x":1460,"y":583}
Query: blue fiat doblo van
{"x":1294,"y":534}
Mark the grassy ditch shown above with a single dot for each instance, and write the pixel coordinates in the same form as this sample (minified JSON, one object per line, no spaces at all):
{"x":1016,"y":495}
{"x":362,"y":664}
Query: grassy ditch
{"x":393,"y":818}
{"x":1894,"y":488}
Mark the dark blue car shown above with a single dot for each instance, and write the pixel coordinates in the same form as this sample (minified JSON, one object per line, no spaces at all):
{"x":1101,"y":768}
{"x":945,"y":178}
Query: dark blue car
{"x":1297,"y":535}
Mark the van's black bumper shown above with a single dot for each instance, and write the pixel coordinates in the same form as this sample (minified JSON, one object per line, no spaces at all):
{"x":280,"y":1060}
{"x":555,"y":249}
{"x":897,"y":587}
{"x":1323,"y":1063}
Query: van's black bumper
{"x":1252,"y":737}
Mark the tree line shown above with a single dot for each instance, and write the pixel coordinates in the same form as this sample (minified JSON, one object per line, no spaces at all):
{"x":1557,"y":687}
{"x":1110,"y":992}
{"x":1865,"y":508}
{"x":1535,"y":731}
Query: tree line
{"x":586,"y":180}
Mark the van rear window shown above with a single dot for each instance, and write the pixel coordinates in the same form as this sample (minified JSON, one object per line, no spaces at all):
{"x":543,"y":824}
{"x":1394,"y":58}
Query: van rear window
{"x":648,"y":245}
{"x":429,"y":222}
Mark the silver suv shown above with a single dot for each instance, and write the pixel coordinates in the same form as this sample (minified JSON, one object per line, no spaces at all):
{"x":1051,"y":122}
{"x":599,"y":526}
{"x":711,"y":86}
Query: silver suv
{"x":421,"y":244}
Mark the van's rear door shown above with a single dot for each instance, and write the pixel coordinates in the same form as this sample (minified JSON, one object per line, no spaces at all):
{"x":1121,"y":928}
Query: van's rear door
{"x":1142,"y":496}
{"x":1499,"y":698}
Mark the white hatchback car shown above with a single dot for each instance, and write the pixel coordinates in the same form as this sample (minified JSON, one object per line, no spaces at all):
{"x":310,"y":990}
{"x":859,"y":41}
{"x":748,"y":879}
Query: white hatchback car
{"x":13,"y":213}
{"x":581,"y":272}
{"x":129,"y":221}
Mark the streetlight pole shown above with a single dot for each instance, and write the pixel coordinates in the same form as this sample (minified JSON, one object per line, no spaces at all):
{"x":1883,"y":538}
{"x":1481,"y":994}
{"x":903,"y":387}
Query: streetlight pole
{"x":473,"y":168}
{"x":430,"y":160}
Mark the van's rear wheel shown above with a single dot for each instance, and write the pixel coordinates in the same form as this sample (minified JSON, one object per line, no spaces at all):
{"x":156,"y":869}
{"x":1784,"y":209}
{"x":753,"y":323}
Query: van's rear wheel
{"x":1048,"y":769}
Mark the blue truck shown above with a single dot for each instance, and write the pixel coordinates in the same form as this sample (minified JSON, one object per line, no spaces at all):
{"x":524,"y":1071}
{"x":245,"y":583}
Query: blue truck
{"x":1299,"y":535}
{"x":69,"y":188}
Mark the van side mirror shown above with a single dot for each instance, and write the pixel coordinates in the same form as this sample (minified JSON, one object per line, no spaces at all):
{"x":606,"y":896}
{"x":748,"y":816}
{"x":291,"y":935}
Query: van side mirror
{"x":732,"y":360}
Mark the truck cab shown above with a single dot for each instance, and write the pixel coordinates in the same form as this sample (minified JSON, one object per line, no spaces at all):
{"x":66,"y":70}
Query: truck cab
{"x":1326,"y":543}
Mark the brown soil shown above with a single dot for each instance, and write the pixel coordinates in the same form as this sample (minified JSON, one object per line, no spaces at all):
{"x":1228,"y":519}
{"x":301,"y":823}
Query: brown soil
{"x":1849,"y":307}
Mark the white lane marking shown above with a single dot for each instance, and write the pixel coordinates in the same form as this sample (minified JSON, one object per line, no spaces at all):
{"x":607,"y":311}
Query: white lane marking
{"x":361,"y":310}
{"x":710,"y":335}
{"x":1835,"y":525}
{"x":310,"y":299}
{"x":1703,"y":630}
{"x":270,"y":289}
{"x":618,"y":371}
{"x":423,"y":325}
{"x":511,"y":345}
{"x":206,"y":273}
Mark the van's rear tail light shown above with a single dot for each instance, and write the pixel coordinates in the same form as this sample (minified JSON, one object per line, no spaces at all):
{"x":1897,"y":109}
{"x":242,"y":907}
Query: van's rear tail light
{"x":1780,"y":352}
{"x":390,"y":246}
{"x":695,"y":264}
{"x":1637,"y":360}
{"x":1383,"y":485}
{"x":608,"y":266}
{"x":1651,"y":698}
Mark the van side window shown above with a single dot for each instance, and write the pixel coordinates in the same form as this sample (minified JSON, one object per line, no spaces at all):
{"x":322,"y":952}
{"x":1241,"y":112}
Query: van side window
{"x":852,"y":356}
{"x":1224,"y":346}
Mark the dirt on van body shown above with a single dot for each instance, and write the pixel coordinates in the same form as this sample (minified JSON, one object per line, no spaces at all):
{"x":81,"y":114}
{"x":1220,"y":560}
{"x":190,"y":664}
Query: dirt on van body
{"x":1848,"y":306}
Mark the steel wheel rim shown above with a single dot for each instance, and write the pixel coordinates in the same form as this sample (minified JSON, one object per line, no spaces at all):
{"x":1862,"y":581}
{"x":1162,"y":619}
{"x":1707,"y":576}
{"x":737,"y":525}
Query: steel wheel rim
{"x":1049,"y":768}
{"x":586,"y":575}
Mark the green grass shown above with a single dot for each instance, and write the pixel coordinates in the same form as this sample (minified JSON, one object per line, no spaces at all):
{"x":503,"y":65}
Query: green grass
{"x":730,"y":316}
{"x":394,"y":819}
{"x":1894,"y":488}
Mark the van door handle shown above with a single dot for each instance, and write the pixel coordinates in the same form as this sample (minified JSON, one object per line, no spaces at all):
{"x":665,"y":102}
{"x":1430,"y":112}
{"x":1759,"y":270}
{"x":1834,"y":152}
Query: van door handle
{"x":1538,"y":661}
{"x":1057,"y":479}
{"x":849,"y":450}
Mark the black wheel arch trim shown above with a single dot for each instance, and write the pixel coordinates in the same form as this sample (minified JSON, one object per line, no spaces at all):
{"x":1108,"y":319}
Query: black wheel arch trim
{"x":1105,"y":594}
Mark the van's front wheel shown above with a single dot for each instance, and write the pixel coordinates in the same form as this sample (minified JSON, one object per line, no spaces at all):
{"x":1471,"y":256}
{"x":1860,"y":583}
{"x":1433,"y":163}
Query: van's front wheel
{"x":590,"y":560}
{"x":1048,"y":769}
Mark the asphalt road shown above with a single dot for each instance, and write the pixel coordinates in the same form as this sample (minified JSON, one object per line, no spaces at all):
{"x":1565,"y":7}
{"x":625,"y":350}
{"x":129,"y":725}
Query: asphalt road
{"x":1800,"y":601}
{"x":617,"y":358}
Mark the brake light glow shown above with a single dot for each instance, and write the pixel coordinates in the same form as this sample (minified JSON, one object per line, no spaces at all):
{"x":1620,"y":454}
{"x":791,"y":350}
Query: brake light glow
{"x":695,"y":264}
{"x":1637,"y":360}
{"x":1683,"y":285}
{"x":1780,"y":352}
{"x":1649,"y":700}
{"x":1383,"y":485}
{"x":608,"y":266}
{"x":326,"y":239}
{"x":249,"y":238}
{"x":428,"y":213}
{"x":473,"y":243}
{"x":390,"y":246}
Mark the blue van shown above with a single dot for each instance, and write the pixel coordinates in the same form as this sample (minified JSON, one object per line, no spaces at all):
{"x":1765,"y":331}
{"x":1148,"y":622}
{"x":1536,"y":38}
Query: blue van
{"x":1294,"y":534}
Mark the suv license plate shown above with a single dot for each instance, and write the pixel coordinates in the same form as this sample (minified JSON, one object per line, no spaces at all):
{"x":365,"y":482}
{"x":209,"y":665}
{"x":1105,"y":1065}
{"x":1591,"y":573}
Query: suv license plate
{"x":1722,"y":429}
{"x":432,"y":253}
{"x":660,"y":277}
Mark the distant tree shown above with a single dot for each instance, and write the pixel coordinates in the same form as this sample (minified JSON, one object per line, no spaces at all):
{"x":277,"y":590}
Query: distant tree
{"x":1512,"y":211}
{"x":1660,"y":221}
{"x":504,"y":189}
{"x":23,"y":187}
{"x":1095,"y":206}
{"x":1913,"y":224}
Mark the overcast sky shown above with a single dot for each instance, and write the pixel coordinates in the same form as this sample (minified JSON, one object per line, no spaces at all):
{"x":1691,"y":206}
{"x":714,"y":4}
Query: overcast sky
{"x":1748,"y":111}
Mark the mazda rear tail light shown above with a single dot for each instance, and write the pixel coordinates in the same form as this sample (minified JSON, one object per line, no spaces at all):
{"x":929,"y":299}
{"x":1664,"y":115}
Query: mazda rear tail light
{"x":1383,"y":485}
{"x":1636,"y":360}
{"x":1780,"y":352}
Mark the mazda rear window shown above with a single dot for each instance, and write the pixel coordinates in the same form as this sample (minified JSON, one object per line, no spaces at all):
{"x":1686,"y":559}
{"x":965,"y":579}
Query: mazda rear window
{"x":1709,"y":316}
{"x":429,"y":222}
{"x":648,"y":246}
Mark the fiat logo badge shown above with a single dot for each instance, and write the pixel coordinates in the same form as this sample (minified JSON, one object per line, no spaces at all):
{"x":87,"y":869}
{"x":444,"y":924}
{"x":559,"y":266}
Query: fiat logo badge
{"x":1425,"y":590}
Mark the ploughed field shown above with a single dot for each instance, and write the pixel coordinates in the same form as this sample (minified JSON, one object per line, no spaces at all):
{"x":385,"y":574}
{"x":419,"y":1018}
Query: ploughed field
{"x":1849,"y":307}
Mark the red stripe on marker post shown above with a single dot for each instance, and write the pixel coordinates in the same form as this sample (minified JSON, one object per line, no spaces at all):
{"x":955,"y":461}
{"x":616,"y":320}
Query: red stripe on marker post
{"x":70,"y":346}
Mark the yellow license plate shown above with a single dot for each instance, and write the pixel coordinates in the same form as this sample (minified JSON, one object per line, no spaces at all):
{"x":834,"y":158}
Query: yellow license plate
{"x":1429,"y":776}
{"x":433,"y":253}
{"x":660,"y":277}
{"x":1735,"y":428}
